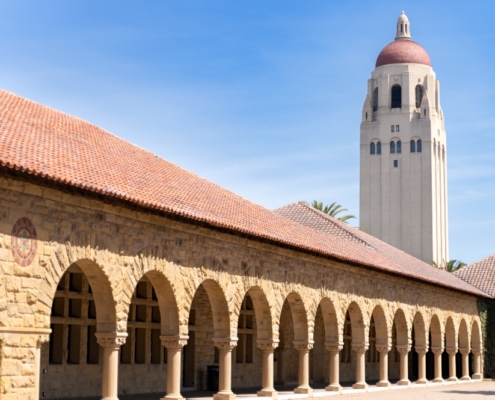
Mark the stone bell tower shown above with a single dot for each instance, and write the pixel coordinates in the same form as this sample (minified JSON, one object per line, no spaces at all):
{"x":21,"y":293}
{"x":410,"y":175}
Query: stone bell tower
{"x":403,"y":178}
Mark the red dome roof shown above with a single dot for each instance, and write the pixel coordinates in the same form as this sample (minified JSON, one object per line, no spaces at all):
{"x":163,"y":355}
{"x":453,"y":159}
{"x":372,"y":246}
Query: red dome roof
{"x":403,"y":51}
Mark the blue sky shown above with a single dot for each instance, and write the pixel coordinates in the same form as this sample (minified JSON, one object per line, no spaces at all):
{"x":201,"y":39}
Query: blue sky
{"x":263,"y":98}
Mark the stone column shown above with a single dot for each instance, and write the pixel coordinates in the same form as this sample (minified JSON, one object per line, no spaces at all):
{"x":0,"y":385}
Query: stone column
{"x":452,"y":372}
{"x":404,"y":365}
{"x":40,"y":341}
{"x":303,"y":347}
{"x":334,"y":380}
{"x":267,"y":347}
{"x":437,"y":351}
{"x":360,"y":351}
{"x":383,"y":350}
{"x":225,"y":347}
{"x":174,"y":345}
{"x":465,"y":364}
{"x":110,"y":342}
{"x":421,"y":365}
{"x":477,"y":364}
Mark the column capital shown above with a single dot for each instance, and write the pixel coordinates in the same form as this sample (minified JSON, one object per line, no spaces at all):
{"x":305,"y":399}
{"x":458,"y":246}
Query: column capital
{"x":421,"y":349}
{"x":383,"y":348}
{"x":437,"y":350}
{"x":111,"y":340}
{"x":476,"y":351}
{"x":303,"y":345}
{"x":451,"y":351}
{"x":464,"y":351}
{"x":41,"y":340}
{"x":267,"y":344}
{"x":174,"y":342}
{"x":334,"y":347}
{"x":360,"y":348}
{"x":225,"y":343}
{"x":404,"y":349}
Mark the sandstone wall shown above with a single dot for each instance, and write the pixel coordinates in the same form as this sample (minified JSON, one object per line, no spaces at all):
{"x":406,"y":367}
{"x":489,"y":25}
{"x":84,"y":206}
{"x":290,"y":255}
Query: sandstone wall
{"x":115,"y":247}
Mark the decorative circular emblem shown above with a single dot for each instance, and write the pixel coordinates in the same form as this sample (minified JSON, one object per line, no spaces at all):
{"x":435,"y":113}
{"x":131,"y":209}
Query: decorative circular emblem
{"x":24,"y":243}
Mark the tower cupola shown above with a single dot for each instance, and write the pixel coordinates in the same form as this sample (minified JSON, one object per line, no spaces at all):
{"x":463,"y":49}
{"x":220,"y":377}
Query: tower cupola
{"x":403,"y":28}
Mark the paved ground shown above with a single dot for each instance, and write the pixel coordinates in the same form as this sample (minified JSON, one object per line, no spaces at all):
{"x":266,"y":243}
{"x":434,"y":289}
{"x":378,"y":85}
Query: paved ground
{"x":464,"y":391}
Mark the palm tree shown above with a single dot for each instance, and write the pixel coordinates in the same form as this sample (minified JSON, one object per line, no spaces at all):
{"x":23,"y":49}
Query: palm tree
{"x":333,"y":210}
{"x":450,"y":266}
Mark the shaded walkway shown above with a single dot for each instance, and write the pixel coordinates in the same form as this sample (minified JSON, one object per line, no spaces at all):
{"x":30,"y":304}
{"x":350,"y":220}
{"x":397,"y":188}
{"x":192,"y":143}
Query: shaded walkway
{"x":436,"y":391}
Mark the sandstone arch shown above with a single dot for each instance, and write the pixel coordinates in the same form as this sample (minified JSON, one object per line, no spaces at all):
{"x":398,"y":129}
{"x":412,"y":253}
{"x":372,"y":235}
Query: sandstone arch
{"x":220,"y":309}
{"x":420,"y":332}
{"x":436,"y":333}
{"x":299,"y":316}
{"x":475,"y":336}
{"x":381,"y":326}
{"x":333,"y":333}
{"x":402,"y":328}
{"x":167,"y":302}
{"x":450,"y":334}
{"x":262,"y":311}
{"x":358,"y":326}
{"x":463,"y":335}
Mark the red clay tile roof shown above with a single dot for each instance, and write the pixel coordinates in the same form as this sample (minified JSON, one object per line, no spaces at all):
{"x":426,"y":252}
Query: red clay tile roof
{"x":480,"y":274}
{"x":38,"y":141}
{"x":403,"y":51}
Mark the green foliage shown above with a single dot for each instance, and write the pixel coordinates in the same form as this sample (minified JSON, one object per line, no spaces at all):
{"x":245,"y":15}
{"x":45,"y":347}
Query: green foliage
{"x":450,"y":266}
{"x":486,"y":309}
{"x":333,"y":210}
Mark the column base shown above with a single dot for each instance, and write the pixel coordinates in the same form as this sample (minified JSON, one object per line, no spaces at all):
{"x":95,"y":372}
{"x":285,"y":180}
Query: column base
{"x":304,"y":390}
{"x":383,"y":384}
{"x":224,"y":396}
{"x":109,"y":398}
{"x":437,"y":380}
{"x":173,"y":397}
{"x":268,"y":393}
{"x":452,"y":379}
{"x":477,"y":376}
{"x":334,"y":388}
{"x":360,"y":385}
{"x":404,"y":382}
{"x":422,"y":382}
{"x":465,"y":378}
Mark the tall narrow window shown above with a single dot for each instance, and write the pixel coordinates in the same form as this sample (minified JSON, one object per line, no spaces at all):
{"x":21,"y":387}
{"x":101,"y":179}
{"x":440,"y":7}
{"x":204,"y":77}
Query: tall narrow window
{"x":396,"y":96}
{"x":372,"y":148}
{"x":419,"y":95}
{"x":419,"y":146}
{"x":379,"y":148}
{"x":396,"y":163}
{"x":413,"y":146}
{"x":397,"y":128}
{"x":375,"y":99}
{"x":392,"y":147}
{"x":399,"y":147}
{"x":392,"y":128}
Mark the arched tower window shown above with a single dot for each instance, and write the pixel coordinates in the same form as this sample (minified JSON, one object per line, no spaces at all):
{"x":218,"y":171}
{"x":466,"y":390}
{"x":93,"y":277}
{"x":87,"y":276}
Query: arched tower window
{"x":375,"y":99}
{"x":419,"y":146}
{"x":413,"y":146}
{"x":419,"y":95}
{"x":372,"y":148}
{"x":379,"y":148}
{"x":399,"y":147}
{"x":396,"y":96}
{"x":392,"y":147}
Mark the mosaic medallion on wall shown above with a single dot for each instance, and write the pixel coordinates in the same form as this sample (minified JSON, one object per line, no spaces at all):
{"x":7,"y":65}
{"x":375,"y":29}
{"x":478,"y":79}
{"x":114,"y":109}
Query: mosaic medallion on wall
{"x":24,"y":242}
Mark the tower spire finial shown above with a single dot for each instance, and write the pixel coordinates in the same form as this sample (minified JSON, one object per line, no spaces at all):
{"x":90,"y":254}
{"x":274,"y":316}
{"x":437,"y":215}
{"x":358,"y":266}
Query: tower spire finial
{"x":403,"y":28}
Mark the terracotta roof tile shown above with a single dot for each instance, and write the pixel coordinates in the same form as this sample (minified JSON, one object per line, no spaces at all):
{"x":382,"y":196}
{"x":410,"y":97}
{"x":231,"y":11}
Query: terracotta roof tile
{"x":43,"y":142}
{"x":480,"y":274}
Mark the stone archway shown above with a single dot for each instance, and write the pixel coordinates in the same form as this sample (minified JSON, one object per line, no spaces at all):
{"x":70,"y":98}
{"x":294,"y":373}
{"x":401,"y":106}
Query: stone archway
{"x":437,"y":347}
{"x":402,"y":351}
{"x":359,"y":343}
{"x":420,"y":337}
{"x":449,"y":370}
{"x":325,"y":336}
{"x":82,"y":307}
{"x":294,"y":336}
{"x":379,"y":345}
